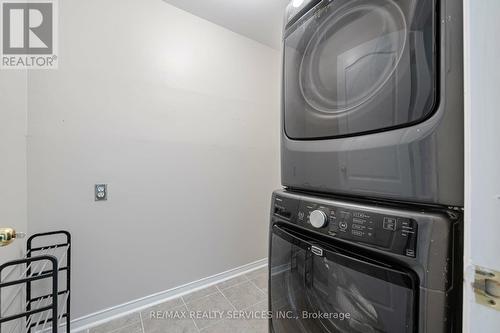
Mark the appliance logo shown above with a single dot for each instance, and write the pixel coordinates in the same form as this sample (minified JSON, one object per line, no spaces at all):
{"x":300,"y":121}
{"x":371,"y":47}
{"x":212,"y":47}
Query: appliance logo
{"x":29,"y":34}
{"x":317,"y":251}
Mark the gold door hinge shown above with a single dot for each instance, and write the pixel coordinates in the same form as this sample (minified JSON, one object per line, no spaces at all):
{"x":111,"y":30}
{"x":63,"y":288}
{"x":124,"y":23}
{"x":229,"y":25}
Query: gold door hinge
{"x":487,"y":287}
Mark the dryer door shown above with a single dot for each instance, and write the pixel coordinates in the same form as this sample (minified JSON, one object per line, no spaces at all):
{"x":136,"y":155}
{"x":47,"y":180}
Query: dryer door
{"x":316,"y":288}
{"x":359,"y":66}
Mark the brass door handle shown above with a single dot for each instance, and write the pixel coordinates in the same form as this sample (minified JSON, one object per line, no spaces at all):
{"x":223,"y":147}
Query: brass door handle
{"x":8,"y":235}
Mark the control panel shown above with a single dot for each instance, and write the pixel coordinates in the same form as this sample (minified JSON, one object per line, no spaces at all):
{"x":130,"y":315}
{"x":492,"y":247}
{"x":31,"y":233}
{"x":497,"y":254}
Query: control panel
{"x":396,"y":234}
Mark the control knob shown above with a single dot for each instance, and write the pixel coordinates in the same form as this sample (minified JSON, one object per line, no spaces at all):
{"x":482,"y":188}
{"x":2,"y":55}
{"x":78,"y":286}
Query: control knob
{"x":318,"y":219}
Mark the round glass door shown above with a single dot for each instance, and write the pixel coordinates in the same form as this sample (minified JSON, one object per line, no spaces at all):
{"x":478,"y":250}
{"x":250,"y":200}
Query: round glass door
{"x":358,"y":66}
{"x":352,"y":55}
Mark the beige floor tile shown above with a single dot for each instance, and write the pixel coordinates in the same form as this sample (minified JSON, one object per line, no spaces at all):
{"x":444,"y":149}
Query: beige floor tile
{"x":261,"y":306}
{"x":116,"y":324}
{"x":261,"y":282}
{"x":244,"y":295}
{"x":165,"y":324}
{"x":152,"y":312}
{"x":214,"y":305}
{"x":228,"y":326}
{"x":134,"y":328}
{"x":258,"y":324}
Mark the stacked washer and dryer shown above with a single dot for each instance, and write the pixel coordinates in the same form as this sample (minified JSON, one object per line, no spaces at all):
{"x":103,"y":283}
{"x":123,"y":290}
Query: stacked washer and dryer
{"x":366,"y":235}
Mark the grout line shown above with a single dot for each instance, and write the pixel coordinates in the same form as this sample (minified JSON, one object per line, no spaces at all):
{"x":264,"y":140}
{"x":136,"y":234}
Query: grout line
{"x":194,"y":322}
{"x":248,"y":307}
{"x":219,"y":291}
{"x":256,"y":286}
{"x":262,"y":291}
{"x":227,"y":299}
{"x":142,"y":322}
{"x":222,"y":319}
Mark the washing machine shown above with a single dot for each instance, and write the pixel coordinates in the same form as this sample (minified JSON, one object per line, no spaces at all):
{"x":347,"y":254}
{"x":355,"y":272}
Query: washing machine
{"x":373,"y":99}
{"x":359,"y":267}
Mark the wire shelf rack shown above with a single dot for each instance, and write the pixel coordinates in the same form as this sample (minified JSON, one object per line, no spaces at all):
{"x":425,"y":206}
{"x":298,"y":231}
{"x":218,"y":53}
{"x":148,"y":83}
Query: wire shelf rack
{"x":35,"y":290}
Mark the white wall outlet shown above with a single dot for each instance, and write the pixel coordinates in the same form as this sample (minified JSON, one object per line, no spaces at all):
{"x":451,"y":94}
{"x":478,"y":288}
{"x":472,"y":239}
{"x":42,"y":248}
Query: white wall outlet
{"x":101,"y":192}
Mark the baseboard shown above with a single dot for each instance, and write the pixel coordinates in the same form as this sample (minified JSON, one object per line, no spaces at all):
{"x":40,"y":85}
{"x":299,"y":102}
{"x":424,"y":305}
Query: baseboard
{"x":97,"y":318}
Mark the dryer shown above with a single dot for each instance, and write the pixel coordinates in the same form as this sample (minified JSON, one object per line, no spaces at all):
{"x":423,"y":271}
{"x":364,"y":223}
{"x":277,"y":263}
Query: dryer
{"x":373,"y":99}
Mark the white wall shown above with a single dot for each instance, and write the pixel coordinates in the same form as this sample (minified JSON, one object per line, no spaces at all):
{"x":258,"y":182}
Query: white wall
{"x":181,"y":118}
{"x":483,"y":153}
{"x":13,"y":108}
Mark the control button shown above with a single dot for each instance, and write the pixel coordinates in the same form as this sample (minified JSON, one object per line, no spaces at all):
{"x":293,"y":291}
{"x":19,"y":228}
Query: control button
{"x":410,"y":253}
{"x":343,"y":226}
{"x":358,"y":226}
{"x":359,"y":221}
{"x":407,"y":228}
{"x":390,"y":223}
{"x":358,"y":233}
{"x":360,"y":215}
{"x":318,"y":219}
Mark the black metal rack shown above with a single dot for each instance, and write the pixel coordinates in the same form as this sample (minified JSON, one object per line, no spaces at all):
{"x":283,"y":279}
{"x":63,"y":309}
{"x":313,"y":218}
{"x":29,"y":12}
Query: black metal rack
{"x":46,"y":282}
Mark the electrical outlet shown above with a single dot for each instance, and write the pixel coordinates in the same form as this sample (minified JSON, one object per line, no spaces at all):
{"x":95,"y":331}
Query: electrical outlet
{"x":101,"y":192}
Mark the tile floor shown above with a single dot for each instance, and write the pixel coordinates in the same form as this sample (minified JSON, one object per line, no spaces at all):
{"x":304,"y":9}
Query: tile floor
{"x":204,"y":311}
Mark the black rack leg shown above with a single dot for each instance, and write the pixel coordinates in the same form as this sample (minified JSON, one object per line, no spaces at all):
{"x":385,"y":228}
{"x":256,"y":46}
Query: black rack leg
{"x":68,"y":287}
{"x":28,"y":289}
{"x":55,"y":299}
{"x":0,"y":302}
